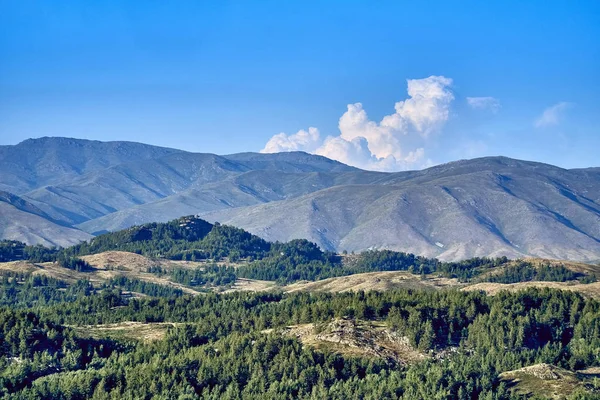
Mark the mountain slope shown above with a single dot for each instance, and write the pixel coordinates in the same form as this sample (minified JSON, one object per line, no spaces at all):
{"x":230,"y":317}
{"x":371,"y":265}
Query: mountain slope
{"x":20,"y":220}
{"x":483,"y":207}
{"x":130,"y":184}
{"x":76,"y":181}
{"x":34,"y":163}
{"x":293,"y":161}
{"x":149,"y":176}
{"x":453,"y":212}
{"x":250,"y":188}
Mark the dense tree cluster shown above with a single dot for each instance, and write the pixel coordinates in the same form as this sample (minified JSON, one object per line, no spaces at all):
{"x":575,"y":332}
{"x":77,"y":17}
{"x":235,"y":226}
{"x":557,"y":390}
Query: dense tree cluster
{"x":523,"y":272}
{"x":209,"y":275}
{"x":24,"y":290}
{"x":32,"y":347}
{"x":218,"y":348}
{"x":12,"y":250}
{"x":187,"y":238}
{"x":27,"y":291}
{"x":293,"y":261}
{"x":142,"y":287}
{"x":146,"y":239}
{"x":303,"y":260}
{"x":74,"y":263}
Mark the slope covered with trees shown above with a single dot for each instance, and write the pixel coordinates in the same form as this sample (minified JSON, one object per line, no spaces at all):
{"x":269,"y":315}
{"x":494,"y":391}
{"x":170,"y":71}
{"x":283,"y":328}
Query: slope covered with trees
{"x":234,"y":346}
{"x":218,"y":346}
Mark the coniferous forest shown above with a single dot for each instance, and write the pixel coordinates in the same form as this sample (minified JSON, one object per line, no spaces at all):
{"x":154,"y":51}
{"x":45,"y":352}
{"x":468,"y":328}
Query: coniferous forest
{"x":235,"y":346}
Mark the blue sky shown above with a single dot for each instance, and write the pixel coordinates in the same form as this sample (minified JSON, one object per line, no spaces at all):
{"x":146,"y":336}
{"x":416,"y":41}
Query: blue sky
{"x":225,"y":77}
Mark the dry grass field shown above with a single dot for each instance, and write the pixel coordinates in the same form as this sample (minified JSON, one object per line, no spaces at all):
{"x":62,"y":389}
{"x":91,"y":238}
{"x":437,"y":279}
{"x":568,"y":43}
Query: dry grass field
{"x":146,"y":332}
{"x":21,"y":267}
{"x":549,"y":381}
{"x":373,"y":281}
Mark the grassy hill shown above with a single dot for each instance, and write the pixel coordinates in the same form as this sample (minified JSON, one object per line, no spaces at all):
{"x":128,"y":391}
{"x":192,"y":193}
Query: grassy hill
{"x":552,"y":382}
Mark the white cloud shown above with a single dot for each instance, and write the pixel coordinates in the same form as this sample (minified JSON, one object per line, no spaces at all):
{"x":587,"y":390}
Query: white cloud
{"x":484,"y":103}
{"x":381,"y":139}
{"x":368,"y":144}
{"x":429,"y":104}
{"x":552,"y":115}
{"x":303,"y":140}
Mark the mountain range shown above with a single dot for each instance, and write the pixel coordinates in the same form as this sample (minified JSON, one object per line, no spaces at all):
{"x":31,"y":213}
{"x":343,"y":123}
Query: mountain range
{"x":58,"y":191}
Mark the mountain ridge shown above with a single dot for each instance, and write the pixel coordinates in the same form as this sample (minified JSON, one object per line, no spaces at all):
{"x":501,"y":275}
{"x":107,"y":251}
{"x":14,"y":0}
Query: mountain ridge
{"x":35,"y":162}
{"x":21,"y":220}
{"x":486,"y":206}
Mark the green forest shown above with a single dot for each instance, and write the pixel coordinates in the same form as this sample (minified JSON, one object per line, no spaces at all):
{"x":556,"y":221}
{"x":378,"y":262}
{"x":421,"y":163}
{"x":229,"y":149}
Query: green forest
{"x":234,"y":345}
{"x":219,"y":349}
